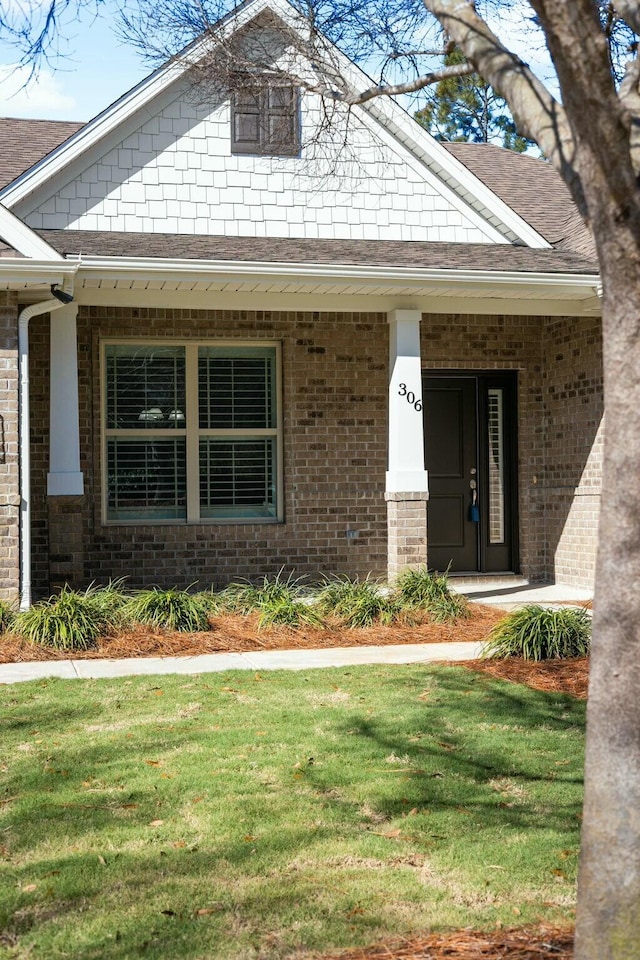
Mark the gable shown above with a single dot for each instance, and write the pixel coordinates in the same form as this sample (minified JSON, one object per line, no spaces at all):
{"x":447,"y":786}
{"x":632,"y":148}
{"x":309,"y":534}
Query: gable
{"x":175,"y":172}
{"x":159,"y":160}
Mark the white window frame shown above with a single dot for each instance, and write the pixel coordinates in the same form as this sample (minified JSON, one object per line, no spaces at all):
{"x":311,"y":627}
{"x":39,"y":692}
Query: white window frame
{"x":191,"y":430}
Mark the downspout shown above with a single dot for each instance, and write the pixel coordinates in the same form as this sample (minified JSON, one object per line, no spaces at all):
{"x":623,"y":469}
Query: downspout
{"x":35,"y":310}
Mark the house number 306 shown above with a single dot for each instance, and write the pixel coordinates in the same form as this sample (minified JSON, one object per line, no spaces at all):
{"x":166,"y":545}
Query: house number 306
{"x":410,"y":396}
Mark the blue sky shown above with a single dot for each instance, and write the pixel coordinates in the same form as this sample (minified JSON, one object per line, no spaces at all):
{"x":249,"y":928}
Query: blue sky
{"x":95,"y":67}
{"x":95,"y":70}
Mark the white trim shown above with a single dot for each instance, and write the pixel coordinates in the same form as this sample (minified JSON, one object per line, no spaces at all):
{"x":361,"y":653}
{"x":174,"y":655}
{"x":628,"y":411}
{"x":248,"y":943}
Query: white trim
{"x":65,"y":476}
{"x":493,"y":211}
{"x":406,"y":466}
{"x":138,"y":268}
{"x":23,"y":239}
{"x":67,"y":484}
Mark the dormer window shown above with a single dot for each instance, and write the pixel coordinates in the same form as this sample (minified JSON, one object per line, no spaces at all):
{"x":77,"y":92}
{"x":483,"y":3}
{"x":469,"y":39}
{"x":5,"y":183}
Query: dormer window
{"x":266,"y":121}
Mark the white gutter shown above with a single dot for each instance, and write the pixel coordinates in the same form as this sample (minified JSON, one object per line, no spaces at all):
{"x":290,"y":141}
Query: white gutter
{"x":96,"y":268}
{"x":35,"y":310}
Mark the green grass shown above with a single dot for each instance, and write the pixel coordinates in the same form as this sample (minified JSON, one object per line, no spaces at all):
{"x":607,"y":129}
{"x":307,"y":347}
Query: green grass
{"x":257,"y":815}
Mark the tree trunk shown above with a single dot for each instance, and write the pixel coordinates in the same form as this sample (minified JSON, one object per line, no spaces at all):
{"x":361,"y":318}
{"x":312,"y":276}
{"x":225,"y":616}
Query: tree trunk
{"x":608,"y":918}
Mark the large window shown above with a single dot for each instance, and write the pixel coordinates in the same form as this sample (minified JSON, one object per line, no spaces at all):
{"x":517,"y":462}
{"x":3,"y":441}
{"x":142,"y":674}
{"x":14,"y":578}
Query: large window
{"x":191,"y":432}
{"x":266,"y":121}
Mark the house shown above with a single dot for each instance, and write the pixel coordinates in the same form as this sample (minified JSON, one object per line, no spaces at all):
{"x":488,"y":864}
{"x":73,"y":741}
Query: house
{"x":229,"y":346}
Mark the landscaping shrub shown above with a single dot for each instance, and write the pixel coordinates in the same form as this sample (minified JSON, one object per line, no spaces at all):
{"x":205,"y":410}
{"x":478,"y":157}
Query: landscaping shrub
{"x":280,"y":601}
{"x":426,"y":590}
{"x":7,"y":615}
{"x":358,"y":603}
{"x":211,"y":601}
{"x":288,"y":612}
{"x":173,"y":609}
{"x":541,"y":633}
{"x":71,"y":620}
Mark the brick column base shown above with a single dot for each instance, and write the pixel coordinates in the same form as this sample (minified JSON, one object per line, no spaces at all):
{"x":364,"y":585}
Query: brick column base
{"x":406,"y":531}
{"x":66,"y":545}
{"x":10,"y":548}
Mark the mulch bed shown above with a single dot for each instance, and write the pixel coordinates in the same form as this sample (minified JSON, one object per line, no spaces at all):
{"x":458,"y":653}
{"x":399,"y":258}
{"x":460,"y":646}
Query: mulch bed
{"x":517,"y":943}
{"x":240,"y":634}
{"x":553,"y":676}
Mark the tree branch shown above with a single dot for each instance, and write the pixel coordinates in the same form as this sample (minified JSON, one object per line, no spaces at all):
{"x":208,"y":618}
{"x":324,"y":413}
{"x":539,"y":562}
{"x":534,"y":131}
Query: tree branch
{"x":396,"y":89}
{"x":628,"y":11}
{"x":538,"y":115}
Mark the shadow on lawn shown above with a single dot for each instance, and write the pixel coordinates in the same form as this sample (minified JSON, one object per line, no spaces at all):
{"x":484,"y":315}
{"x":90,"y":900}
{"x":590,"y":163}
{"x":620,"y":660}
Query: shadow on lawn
{"x":446,"y":741}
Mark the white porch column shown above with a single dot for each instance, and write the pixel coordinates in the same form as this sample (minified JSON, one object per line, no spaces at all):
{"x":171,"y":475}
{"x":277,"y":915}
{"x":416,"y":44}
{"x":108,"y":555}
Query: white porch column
{"x":406,"y":481}
{"x":65,"y":485}
{"x":64,"y":477}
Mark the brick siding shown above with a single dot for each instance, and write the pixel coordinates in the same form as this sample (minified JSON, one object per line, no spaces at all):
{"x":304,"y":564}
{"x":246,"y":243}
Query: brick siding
{"x":573,"y":446}
{"x":335,"y":428}
{"x":335,"y":373}
{"x":559,"y":365}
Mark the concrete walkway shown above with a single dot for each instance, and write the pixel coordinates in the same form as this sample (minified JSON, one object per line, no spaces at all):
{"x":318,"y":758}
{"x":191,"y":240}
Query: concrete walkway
{"x":258,"y":660}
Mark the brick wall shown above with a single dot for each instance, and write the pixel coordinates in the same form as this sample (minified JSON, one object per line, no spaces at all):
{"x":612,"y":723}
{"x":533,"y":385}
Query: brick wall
{"x":335,"y":432}
{"x":574,"y":438}
{"x":9,"y":466}
{"x":559,"y":365}
{"x":335,"y":427}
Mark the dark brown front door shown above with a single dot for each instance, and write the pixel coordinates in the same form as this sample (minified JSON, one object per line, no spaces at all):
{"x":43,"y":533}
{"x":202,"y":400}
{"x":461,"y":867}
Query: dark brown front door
{"x":469,"y":423}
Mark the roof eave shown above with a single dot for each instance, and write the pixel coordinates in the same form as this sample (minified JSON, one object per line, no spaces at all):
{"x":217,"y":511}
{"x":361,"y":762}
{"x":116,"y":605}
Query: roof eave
{"x":92,"y":267}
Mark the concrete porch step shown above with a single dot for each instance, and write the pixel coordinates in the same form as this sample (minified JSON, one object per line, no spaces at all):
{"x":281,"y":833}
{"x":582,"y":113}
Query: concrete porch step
{"x":510,"y":591}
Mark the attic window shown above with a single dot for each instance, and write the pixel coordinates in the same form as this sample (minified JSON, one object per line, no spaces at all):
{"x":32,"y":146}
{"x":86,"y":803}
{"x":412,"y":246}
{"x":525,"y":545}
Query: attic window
{"x":266,"y":121}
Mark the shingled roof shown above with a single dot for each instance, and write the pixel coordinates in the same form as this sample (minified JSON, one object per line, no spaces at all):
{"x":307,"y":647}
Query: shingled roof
{"x":24,"y":142}
{"x":392,"y":253}
{"x":532,"y":188}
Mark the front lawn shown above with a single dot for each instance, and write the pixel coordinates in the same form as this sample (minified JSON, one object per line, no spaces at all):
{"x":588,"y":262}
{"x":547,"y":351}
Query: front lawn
{"x":259,"y":816}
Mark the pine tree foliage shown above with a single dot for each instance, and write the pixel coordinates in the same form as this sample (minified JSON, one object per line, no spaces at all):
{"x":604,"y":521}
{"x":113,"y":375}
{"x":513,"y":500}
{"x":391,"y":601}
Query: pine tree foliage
{"x":467,"y":109}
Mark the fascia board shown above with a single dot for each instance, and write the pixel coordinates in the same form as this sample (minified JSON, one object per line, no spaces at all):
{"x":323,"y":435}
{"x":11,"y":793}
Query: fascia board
{"x":24,"y":240}
{"x":134,"y":268}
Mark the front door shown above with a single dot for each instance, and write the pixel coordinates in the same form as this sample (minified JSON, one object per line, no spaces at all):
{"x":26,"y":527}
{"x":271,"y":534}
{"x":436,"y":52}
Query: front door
{"x":470,"y":445}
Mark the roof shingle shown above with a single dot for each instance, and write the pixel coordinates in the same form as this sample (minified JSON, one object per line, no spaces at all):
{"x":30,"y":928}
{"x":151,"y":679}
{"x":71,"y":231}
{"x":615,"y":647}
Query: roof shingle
{"x":393,"y":253}
{"x":532,"y":188}
{"x":24,"y":142}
